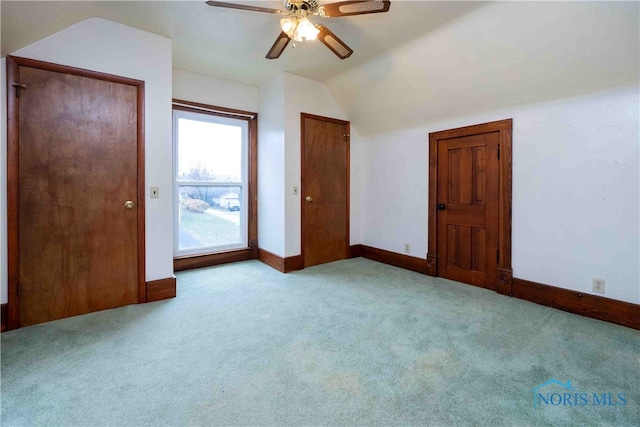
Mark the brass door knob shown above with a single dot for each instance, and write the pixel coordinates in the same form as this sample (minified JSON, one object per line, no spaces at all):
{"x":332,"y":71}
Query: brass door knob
{"x":308,"y":199}
{"x":128,"y":205}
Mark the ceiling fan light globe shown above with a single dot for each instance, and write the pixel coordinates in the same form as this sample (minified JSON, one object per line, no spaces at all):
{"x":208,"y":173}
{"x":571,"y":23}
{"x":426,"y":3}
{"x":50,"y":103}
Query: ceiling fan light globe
{"x":289,"y":25}
{"x":297,"y":37}
{"x":305,"y":31}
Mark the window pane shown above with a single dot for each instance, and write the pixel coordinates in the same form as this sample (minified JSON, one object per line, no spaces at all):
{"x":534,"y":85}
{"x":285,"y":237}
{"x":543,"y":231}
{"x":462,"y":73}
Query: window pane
{"x":209,"y":216}
{"x":209,"y":152}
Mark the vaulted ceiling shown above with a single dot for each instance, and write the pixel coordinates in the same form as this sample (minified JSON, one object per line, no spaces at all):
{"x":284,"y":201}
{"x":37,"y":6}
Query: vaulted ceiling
{"x":503,"y":55}
{"x":420,"y":62}
{"x":232,"y":44}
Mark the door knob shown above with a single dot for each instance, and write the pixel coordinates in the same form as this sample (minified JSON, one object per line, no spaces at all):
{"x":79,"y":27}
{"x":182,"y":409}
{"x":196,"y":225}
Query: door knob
{"x":128,"y":205}
{"x":309,"y":199}
{"x":441,"y":206}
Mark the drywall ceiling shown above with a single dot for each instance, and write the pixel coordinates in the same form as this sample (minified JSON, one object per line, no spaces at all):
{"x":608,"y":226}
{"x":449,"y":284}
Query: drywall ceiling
{"x":420,"y":63}
{"x":500,"y":56}
{"x":232,"y":44}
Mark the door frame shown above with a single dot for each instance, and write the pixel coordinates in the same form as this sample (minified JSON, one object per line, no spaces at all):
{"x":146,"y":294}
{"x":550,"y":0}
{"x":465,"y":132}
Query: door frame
{"x":13,"y":195}
{"x":504,"y":128}
{"x":304,"y":116}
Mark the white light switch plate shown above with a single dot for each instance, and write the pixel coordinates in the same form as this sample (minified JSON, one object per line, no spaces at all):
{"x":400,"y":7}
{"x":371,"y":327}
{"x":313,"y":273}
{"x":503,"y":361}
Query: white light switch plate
{"x":155,"y":192}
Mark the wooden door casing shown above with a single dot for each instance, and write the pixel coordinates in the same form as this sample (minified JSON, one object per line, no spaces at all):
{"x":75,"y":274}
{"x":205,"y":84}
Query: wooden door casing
{"x":325,"y":178}
{"x":76,"y":156}
{"x":470,"y":240}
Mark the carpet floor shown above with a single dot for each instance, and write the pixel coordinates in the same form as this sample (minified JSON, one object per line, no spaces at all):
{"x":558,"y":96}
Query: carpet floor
{"x":353,"y":342}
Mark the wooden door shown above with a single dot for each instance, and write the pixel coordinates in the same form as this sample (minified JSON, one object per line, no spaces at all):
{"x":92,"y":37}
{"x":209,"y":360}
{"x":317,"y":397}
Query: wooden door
{"x":325,"y":189}
{"x":468,"y":208}
{"x":77,"y":198}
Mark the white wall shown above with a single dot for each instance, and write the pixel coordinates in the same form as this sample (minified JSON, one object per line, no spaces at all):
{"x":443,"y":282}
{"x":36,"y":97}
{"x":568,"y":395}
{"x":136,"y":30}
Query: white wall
{"x":105,"y":46}
{"x":271,"y":166}
{"x":281,"y":101}
{"x":302,"y":95}
{"x":576,"y":191}
{"x":395,"y":191}
{"x":197,"y":87}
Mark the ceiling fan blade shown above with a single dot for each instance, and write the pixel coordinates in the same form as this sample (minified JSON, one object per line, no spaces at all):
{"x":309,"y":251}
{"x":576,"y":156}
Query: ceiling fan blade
{"x":278,"y":46}
{"x":243,"y":7}
{"x":332,"y":41}
{"x":350,"y":8}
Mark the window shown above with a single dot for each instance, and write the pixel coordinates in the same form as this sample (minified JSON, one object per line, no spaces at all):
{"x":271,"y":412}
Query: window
{"x":211,"y":182}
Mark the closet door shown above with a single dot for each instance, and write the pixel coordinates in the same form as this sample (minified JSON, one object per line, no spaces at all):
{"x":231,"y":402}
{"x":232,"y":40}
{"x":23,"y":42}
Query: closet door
{"x":325,"y":190}
{"x":77,"y":195}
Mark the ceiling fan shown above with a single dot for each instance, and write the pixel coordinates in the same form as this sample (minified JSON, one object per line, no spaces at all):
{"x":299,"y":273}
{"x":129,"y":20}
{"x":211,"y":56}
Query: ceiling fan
{"x":296,"y":25}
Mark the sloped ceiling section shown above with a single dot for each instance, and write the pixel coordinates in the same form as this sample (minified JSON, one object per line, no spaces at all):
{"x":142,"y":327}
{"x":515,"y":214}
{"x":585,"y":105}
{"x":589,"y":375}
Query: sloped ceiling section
{"x":422,"y":62}
{"x":232,"y":44}
{"x":498,"y":56}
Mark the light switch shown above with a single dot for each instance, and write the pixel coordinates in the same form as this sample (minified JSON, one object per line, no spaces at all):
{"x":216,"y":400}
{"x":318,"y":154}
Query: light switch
{"x":155,"y":192}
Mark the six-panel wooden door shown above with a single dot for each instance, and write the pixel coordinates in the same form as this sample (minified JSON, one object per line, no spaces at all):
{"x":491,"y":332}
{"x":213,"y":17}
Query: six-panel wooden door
{"x":468,"y":208}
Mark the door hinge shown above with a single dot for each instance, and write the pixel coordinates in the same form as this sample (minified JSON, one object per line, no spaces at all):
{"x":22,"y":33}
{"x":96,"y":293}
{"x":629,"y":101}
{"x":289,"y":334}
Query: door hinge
{"x":498,"y":151}
{"x":18,"y":86}
{"x":19,"y":290}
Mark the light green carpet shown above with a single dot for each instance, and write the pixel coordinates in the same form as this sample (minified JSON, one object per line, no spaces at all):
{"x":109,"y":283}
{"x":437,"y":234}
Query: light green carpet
{"x":348,"y":343}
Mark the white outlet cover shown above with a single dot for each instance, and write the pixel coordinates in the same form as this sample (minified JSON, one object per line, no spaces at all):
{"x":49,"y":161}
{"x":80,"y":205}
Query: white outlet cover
{"x":598,"y":285}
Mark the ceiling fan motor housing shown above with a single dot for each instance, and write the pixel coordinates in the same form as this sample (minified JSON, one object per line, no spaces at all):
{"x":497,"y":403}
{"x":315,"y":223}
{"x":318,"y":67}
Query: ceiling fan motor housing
{"x":306,"y":5}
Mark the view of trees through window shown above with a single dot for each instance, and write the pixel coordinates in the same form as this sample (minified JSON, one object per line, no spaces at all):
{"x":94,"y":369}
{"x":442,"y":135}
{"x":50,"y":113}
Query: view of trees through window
{"x":210,"y":182}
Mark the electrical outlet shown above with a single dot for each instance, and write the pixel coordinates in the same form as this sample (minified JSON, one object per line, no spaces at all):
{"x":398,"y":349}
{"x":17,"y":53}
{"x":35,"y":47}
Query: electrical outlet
{"x":407,"y":248}
{"x":155,"y":192}
{"x":598,"y":285}
{"x":295,"y":190}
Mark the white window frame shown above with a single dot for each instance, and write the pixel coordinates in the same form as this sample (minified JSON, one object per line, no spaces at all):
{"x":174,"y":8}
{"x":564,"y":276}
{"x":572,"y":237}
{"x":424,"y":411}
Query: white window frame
{"x":244,"y":185}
